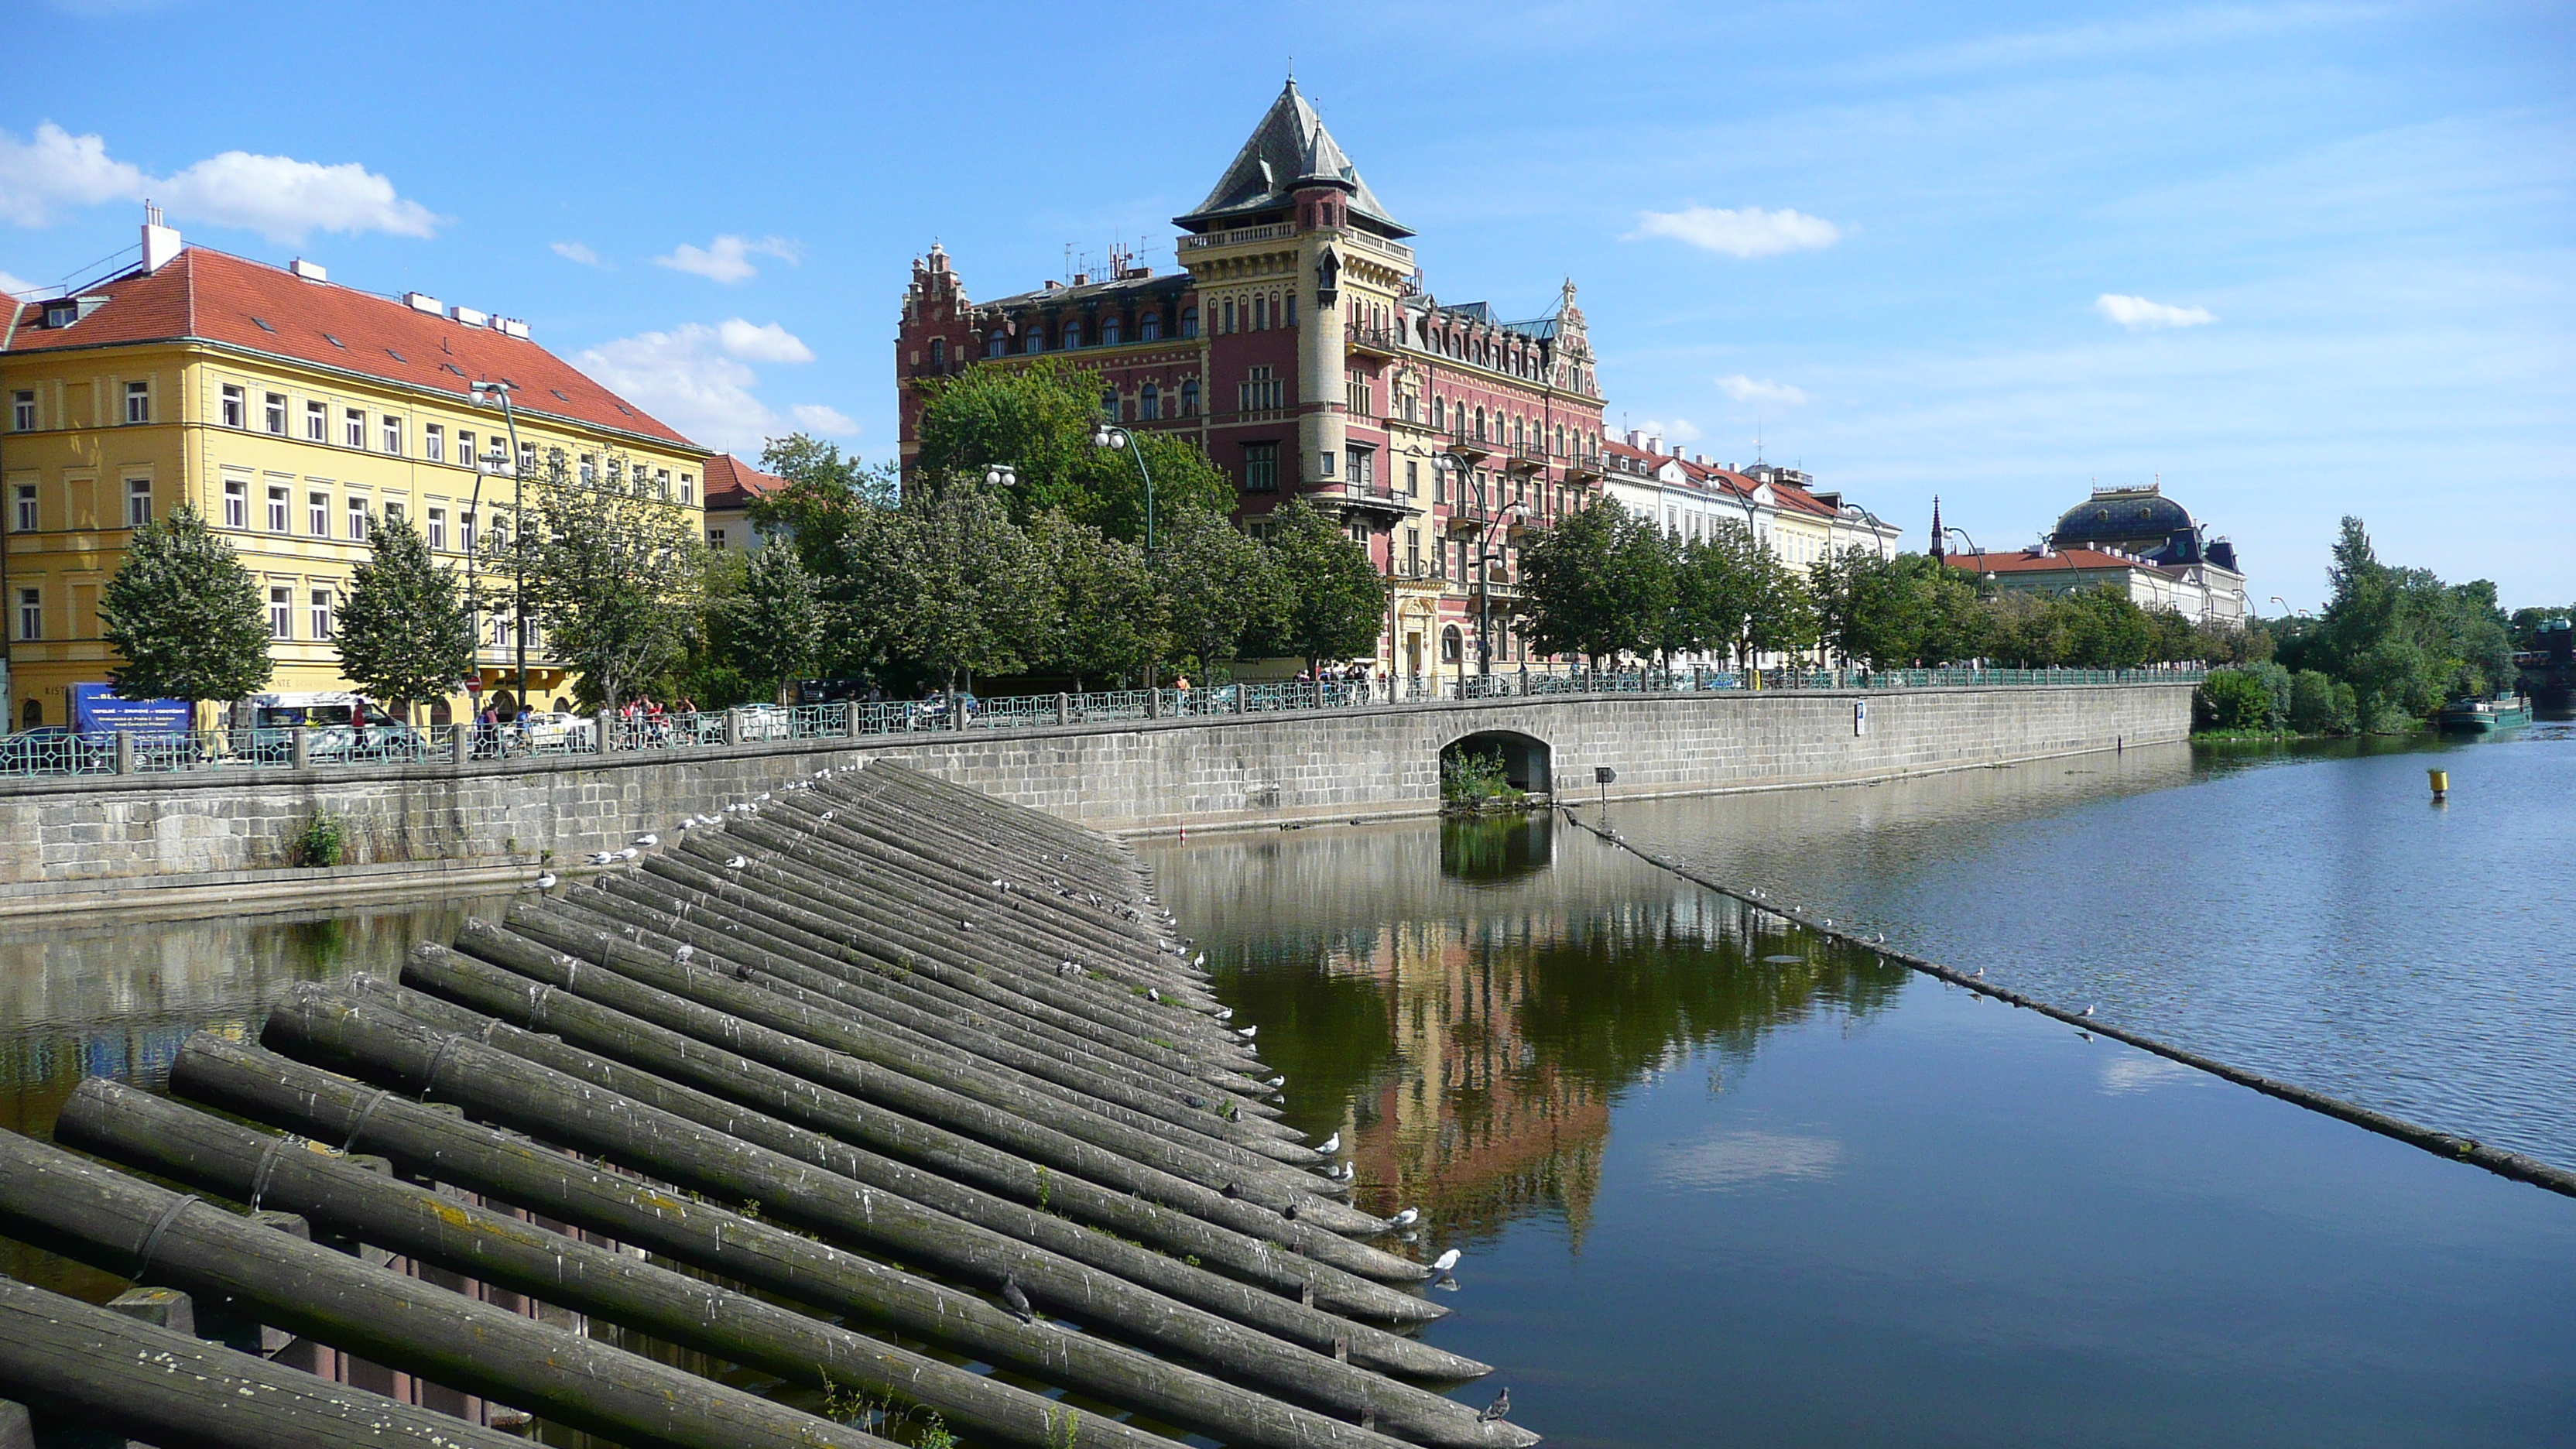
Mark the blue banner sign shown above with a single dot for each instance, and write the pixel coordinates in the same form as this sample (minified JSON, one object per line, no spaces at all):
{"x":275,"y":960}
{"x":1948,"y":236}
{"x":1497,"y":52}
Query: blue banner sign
{"x":97,"y":710}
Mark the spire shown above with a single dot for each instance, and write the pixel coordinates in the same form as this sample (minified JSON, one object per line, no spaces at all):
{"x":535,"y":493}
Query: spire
{"x":1287,"y":152}
{"x":1939,"y":540}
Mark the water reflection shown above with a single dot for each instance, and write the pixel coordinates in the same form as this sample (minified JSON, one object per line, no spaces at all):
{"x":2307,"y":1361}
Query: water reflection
{"x":1471,"y":1047}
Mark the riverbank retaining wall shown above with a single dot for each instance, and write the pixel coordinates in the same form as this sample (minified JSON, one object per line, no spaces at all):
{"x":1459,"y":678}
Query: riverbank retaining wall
{"x":72,"y":844}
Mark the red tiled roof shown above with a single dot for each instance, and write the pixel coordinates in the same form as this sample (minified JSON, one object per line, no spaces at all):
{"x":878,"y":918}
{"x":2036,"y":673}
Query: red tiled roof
{"x":2065,"y":559}
{"x":733,"y":483}
{"x":221,"y":298}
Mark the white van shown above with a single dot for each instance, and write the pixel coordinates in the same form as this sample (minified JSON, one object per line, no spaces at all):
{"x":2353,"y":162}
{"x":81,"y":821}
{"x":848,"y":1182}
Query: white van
{"x":313,"y":709}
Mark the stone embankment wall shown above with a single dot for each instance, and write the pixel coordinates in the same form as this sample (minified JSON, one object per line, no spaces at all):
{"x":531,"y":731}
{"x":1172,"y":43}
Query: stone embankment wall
{"x":63,"y":841}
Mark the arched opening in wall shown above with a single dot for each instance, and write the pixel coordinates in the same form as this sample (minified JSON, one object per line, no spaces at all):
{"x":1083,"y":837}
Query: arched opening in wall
{"x":1525,"y":761}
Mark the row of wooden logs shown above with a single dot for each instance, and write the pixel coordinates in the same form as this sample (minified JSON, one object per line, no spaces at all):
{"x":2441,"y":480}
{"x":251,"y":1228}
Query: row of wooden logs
{"x":906,"y":1093}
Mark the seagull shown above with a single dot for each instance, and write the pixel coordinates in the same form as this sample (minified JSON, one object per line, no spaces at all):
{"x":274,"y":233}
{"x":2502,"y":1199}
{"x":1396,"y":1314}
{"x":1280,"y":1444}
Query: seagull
{"x":1980,"y":971}
{"x":2087,"y":1011}
{"x":1246,"y":1032}
{"x":1405,"y":1219}
{"x":1153,"y":996}
{"x":1445,"y":1261}
{"x":1331,"y":1145}
{"x":735,"y":862}
{"x":601,"y":857}
{"x":965,"y":925}
{"x":648,"y":841}
{"x":1202,"y":961}
{"x":689,"y":824}
{"x":1501,"y":1405}
{"x":682,"y":955}
{"x":1275,"y":1083}
{"x":1017,"y":1301}
{"x":1064,"y":967}
{"x":1225,"y":1013}
{"x":546,"y":882}
{"x":1343,"y":1173}
{"x":1882,"y":939}
{"x":629,"y":853}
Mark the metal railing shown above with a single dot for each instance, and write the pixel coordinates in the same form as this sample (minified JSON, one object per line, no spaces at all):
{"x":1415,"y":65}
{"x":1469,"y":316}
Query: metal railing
{"x":60,"y":755}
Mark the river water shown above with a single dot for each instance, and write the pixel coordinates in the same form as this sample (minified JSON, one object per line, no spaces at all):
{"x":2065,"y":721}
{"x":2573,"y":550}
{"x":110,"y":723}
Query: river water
{"x":1720,"y":1181}
{"x":1716,"y":1181}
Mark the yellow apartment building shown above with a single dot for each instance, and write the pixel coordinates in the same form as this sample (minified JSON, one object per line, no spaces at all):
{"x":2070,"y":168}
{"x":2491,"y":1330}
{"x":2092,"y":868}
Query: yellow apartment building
{"x":290,"y":412}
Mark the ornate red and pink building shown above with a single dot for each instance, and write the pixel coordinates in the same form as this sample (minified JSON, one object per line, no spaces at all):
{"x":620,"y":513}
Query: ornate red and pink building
{"x":1299,"y":346}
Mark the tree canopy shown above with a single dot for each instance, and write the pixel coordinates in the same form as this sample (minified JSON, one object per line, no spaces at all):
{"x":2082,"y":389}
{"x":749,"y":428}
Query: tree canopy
{"x":406,"y":630}
{"x":1335,"y":600}
{"x":184,"y":616}
{"x":615,"y":578}
{"x":1039,"y":419}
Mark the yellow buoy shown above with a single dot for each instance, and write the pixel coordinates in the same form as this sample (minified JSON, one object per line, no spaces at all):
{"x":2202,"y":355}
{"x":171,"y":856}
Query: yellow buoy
{"x":2441,"y":782}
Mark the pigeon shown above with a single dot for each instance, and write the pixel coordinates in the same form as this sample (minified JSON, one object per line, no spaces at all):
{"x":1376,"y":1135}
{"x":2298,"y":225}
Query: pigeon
{"x":1017,"y":1301}
{"x":1289,"y":1212}
{"x":648,"y":841}
{"x":682,"y":955}
{"x":735,"y":862}
{"x":965,"y":925}
{"x":546,"y":882}
{"x":1331,"y":1145}
{"x":1501,"y":1405}
{"x":742,"y":971}
{"x":1233,"y":1190}
{"x":1445,"y":1261}
{"x":1405,"y":1219}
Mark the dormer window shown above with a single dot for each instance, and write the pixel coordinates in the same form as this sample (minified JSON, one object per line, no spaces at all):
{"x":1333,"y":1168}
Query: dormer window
{"x":61,"y":314}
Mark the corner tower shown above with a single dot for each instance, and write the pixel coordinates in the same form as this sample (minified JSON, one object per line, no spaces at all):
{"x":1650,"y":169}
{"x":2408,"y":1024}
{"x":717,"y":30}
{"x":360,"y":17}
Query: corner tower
{"x":1289,"y":252}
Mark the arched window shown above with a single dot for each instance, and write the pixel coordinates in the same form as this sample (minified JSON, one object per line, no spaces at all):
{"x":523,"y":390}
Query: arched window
{"x":1149,"y":328}
{"x":1109,"y":404}
{"x":1450,"y":652}
{"x":1108,"y":331}
{"x":1439,"y":412}
{"x":1480,"y":425}
{"x":1149,"y":403}
{"x":996,"y":345}
{"x":1190,"y":398}
{"x":1227,"y":324}
{"x":1189,"y":321}
{"x":938,"y":351}
{"x":32,"y":715}
{"x":1290,"y":315}
{"x":1260,"y":313}
{"x":1037,"y":339}
{"x":1072,"y":334}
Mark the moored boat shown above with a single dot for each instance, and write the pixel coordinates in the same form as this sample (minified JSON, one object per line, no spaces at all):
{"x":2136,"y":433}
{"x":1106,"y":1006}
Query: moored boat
{"x":2484,"y":716}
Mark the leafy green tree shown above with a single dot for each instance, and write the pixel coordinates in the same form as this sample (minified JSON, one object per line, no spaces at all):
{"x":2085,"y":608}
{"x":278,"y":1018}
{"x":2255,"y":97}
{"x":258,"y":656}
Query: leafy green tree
{"x":613,"y":576}
{"x":823,"y":492}
{"x":1717,"y":585}
{"x":2405,"y":641}
{"x":1219,"y":586}
{"x":184,"y":616}
{"x":406,"y":631}
{"x":2232,"y":699}
{"x":706,"y":675}
{"x":1038,"y":418}
{"x":1336,"y":603}
{"x":1110,"y":618}
{"x":777,"y":634}
{"x":1595,"y":583}
{"x":949,"y":585}
{"x":2319,"y":705}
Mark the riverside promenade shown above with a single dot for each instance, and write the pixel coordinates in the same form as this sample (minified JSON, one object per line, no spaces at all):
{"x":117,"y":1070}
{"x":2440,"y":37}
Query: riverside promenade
{"x":169,"y":829}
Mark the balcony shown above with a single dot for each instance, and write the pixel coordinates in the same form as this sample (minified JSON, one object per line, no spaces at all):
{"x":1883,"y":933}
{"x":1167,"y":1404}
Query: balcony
{"x":1276,"y":231}
{"x":1377,"y":500}
{"x":1583,"y":468}
{"x":1526,"y":458}
{"x":1395,"y":252}
{"x":1374,"y":340}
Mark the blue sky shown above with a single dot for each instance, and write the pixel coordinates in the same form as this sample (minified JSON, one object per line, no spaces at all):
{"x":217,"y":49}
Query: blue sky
{"x":2296,"y":260}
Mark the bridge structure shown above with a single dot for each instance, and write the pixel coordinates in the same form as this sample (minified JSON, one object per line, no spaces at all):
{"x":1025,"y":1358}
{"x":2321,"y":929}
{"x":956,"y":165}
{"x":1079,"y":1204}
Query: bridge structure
{"x":462,"y":824}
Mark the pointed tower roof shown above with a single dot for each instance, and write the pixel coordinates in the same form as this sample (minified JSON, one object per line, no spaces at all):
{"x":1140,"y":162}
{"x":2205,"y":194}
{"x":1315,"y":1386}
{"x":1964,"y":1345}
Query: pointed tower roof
{"x":1289,"y":151}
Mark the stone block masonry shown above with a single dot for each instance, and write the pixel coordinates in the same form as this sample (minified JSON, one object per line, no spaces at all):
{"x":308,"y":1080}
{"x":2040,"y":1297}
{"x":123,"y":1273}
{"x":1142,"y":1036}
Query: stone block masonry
{"x":82,"y":843}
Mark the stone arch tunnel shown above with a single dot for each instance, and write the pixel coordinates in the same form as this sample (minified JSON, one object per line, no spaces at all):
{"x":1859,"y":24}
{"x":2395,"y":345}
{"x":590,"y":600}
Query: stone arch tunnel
{"x":1528,"y":761}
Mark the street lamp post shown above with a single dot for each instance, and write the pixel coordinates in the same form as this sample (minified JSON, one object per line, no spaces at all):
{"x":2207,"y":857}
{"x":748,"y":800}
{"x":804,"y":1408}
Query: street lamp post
{"x":1110,"y":435}
{"x":1972,"y":543}
{"x":485,"y":395}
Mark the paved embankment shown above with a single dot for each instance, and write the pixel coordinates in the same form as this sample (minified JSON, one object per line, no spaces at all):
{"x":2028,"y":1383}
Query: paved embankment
{"x":69,"y":845}
{"x":894,"y":1076}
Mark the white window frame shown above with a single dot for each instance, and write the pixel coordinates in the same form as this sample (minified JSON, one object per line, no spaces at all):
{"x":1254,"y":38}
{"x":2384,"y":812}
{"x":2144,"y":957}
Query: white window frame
{"x":273,"y":414}
{"x":138,"y":402}
{"x":22,"y":410}
{"x":322,"y":605}
{"x":23,"y":514}
{"x":236,"y":405}
{"x":138,"y":490}
{"x":281,"y":507}
{"x":353,"y":428}
{"x":31,"y":614}
{"x":317,"y":422}
{"x":389,"y":433}
{"x":317,"y":514}
{"x":359,"y":516}
{"x":438,"y":530}
{"x":237,"y":503}
{"x":433,"y":442}
{"x":281,"y":611}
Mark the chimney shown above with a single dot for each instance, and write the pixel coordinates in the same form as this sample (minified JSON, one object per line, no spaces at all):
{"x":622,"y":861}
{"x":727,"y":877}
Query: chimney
{"x":160,"y":243}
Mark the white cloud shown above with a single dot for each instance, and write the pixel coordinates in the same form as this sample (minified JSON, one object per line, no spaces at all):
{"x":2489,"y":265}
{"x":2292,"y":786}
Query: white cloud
{"x":816,"y":418}
{"x":699,"y":378}
{"x":767,"y":342}
{"x":1679,"y":430}
{"x":576,"y":252}
{"x":13,"y":285}
{"x":1749,"y":389}
{"x":2140,"y":315}
{"x":729,"y":259}
{"x":279,"y":197}
{"x":1751,"y":232}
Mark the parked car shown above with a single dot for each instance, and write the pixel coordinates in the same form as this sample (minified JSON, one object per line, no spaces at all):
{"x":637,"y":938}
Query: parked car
{"x":551,"y":732}
{"x":934,"y":710}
